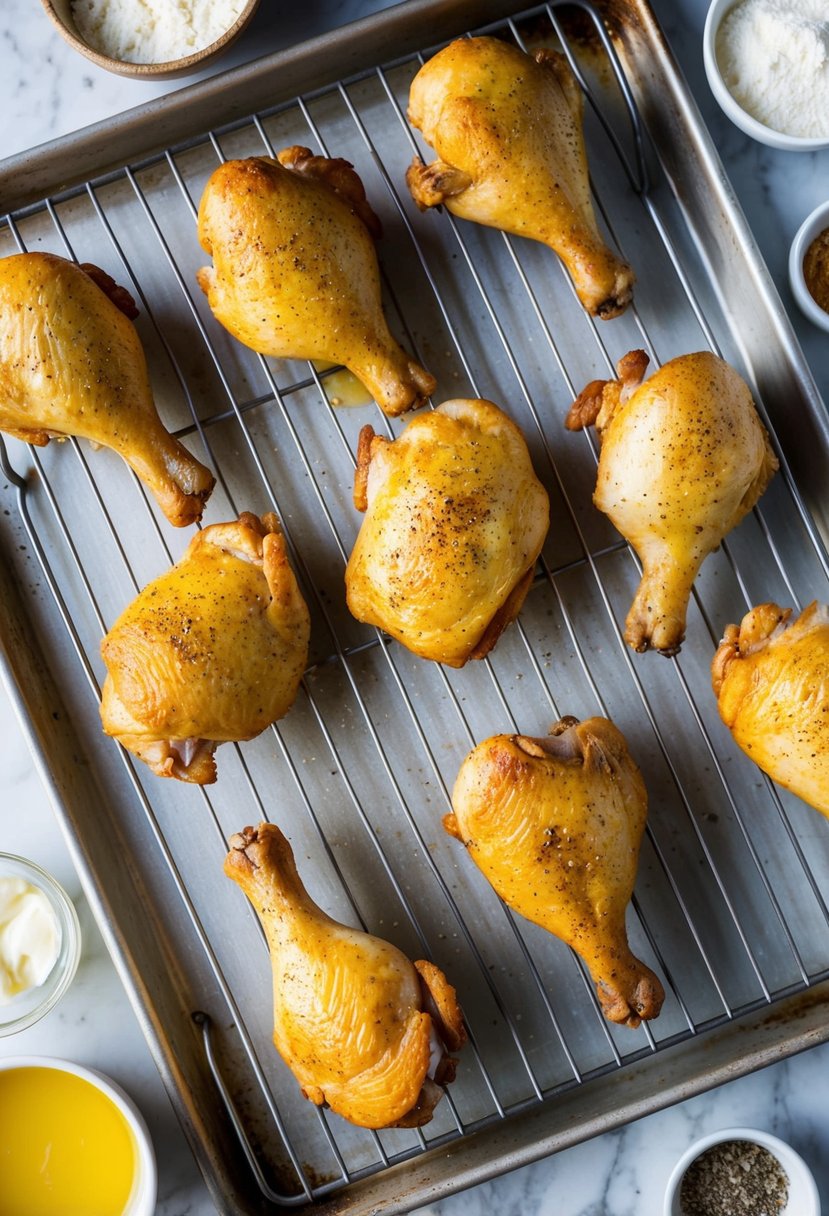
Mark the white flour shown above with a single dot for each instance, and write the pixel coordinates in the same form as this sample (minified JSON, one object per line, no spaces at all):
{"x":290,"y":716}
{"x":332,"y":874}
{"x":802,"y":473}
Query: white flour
{"x":153,"y":31}
{"x":774,"y":57}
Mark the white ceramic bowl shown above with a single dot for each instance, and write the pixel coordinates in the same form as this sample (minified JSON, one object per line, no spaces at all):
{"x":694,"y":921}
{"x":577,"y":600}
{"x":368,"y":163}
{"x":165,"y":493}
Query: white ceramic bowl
{"x":811,"y":227}
{"x":27,"y":1008}
{"x":745,"y":121}
{"x":803,"y":1197}
{"x":145,"y":1186}
{"x":60,"y":12}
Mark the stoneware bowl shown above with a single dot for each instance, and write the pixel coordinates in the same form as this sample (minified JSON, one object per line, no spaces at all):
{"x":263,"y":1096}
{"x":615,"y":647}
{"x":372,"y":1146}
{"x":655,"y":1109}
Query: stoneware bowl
{"x":144,"y":1192}
{"x":746,"y":122}
{"x":803,"y":1197}
{"x":30,"y":1006}
{"x":811,"y":227}
{"x":60,"y":12}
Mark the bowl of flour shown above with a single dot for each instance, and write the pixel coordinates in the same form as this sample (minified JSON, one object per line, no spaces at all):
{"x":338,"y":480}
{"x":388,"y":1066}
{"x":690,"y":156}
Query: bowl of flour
{"x":150,"y":39}
{"x":767,"y":63}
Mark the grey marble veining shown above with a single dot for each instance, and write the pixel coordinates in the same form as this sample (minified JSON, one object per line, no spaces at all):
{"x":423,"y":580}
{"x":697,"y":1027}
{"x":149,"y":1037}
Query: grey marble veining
{"x":47,"y":90}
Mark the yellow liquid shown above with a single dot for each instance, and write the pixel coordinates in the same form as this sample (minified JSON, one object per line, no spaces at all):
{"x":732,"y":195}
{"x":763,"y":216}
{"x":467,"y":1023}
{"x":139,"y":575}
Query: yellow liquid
{"x":342,"y":388}
{"x":65,"y":1148}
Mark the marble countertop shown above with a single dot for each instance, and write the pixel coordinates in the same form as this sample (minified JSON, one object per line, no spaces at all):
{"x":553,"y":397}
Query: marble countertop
{"x":47,"y":90}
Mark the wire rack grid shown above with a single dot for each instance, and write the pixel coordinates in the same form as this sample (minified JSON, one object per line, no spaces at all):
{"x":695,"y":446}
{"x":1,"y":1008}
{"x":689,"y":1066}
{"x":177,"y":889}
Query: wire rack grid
{"x":730,"y":906}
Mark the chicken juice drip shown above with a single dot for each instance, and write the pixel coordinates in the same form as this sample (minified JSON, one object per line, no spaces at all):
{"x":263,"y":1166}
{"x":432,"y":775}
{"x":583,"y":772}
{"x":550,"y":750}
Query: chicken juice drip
{"x":65,"y":1148}
{"x":342,"y":388}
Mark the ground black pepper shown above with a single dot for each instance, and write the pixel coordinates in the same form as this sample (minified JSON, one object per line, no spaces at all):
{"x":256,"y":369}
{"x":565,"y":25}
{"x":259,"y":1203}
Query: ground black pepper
{"x":734,"y":1178}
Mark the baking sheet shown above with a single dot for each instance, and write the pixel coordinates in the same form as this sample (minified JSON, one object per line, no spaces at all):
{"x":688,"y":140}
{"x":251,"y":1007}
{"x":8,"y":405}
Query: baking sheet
{"x":730,"y":904}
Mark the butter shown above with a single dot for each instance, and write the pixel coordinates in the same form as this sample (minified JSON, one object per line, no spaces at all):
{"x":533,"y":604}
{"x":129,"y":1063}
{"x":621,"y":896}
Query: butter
{"x":29,"y":937}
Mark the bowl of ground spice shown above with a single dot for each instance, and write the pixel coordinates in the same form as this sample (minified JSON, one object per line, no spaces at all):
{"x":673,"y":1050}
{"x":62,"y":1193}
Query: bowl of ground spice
{"x":809,"y":266}
{"x":767,"y":62}
{"x":741,"y":1171}
{"x":151,"y":39}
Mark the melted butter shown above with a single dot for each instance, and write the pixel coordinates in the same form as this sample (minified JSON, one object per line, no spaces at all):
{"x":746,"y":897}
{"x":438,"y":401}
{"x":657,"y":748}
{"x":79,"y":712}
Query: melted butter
{"x":342,"y":388}
{"x":65,"y":1148}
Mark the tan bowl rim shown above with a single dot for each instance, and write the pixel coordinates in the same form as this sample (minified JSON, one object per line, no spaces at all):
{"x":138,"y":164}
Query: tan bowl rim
{"x":125,"y":67}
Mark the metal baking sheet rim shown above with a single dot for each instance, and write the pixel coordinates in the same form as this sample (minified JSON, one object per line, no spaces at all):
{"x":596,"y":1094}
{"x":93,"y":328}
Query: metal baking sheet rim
{"x":675,"y":1073}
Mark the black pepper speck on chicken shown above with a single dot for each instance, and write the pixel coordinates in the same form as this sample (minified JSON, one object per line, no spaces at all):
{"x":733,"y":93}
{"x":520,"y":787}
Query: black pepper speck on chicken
{"x":211,"y":651}
{"x":71,"y":363}
{"x":684,"y":458}
{"x":507,"y":128}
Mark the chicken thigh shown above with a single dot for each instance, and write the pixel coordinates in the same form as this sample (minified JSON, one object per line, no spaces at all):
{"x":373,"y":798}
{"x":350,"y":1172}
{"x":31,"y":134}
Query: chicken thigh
{"x":771,"y":680}
{"x":455,"y":520}
{"x":294,"y":270}
{"x":71,"y":363}
{"x":211,"y":651}
{"x":555,"y":825}
{"x":507,"y":129}
{"x":361,"y":1028}
{"x":684,"y":457}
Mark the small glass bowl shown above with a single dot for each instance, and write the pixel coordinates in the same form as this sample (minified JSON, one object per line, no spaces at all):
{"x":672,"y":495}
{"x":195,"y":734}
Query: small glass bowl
{"x":727,"y":101}
{"x":811,"y":227}
{"x":803,"y":1197}
{"x":60,"y":12}
{"x":30,"y":1006}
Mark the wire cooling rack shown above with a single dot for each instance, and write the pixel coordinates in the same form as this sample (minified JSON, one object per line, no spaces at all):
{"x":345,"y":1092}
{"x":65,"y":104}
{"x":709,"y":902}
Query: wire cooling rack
{"x":730,"y":906}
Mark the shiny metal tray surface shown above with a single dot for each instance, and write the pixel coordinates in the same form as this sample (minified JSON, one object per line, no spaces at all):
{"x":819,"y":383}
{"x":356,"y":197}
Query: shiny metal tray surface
{"x":730,"y":905}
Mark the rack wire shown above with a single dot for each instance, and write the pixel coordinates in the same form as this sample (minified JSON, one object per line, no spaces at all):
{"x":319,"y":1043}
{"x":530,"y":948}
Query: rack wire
{"x":730,"y":907}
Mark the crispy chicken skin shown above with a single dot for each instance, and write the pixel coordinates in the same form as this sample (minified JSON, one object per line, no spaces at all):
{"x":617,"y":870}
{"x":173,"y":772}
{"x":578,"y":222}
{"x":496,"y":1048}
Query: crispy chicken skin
{"x":555,"y":825}
{"x":209,"y":652}
{"x":71,"y":363}
{"x":684,"y":457}
{"x":771,"y":679}
{"x":455,"y":520}
{"x":294,"y":270}
{"x":507,"y":129}
{"x":361,"y":1028}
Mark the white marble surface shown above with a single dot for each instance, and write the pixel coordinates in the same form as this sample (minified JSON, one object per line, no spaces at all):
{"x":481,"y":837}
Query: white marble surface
{"x":45,"y":91}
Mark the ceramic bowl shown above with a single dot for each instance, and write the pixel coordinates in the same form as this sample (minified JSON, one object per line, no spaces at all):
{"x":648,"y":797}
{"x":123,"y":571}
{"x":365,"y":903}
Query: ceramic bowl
{"x":803,"y":1198}
{"x":727,"y":102}
{"x":27,"y":1008}
{"x":811,"y":227}
{"x":60,"y":12}
{"x":143,"y":1196}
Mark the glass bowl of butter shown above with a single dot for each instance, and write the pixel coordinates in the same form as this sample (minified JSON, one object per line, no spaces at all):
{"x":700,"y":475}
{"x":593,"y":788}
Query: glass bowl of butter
{"x":40,"y":943}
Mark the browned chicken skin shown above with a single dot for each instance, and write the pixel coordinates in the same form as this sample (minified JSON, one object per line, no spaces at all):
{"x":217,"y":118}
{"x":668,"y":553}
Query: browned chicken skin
{"x":684,"y":457}
{"x":771,"y":680}
{"x":555,"y":825}
{"x":508,"y":131}
{"x":71,"y":363}
{"x":211,"y":651}
{"x":361,"y":1028}
{"x":294,"y":270}
{"x":455,"y":520}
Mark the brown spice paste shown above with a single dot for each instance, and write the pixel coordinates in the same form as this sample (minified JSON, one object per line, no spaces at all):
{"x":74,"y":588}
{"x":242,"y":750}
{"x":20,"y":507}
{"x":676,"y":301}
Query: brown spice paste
{"x":816,"y":269}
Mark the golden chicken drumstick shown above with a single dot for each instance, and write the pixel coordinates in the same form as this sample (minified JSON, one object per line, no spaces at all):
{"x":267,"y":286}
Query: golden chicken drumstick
{"x":684,"y":457}
{"x":555,"y":825}
{"x":294,"y":270}
{"x":455,"y":520}
{"x":361,"y":1028}
{"x":771,"y":680}
{"x":71,"y":363}
{"x":507,"y":129}
{"x":211,"y":651}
